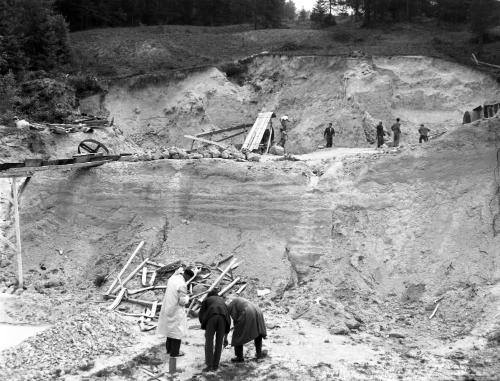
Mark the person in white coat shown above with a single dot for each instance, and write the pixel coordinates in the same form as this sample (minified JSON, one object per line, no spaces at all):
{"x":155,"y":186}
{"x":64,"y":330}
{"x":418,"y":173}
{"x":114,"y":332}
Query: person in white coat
{"x":172,"y":322}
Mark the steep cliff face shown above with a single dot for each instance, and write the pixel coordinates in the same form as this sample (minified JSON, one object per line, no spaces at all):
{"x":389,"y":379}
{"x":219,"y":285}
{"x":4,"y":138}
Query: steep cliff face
{"x":424,"y":215}
{"x":352,"y":93}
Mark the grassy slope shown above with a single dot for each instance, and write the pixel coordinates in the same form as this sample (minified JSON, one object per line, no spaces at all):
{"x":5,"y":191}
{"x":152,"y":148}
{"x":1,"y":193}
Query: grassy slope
{"x":129,"y":51}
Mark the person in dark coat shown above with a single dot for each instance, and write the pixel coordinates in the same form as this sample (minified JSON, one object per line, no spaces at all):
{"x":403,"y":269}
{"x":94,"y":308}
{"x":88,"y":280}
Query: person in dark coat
{"x":396,"y":129}
{"x":424,"y":133}
{"x":328,"y":135}
{"x":249,"y":325}
{"x":216,"y":321}
{"x":380,"y":134}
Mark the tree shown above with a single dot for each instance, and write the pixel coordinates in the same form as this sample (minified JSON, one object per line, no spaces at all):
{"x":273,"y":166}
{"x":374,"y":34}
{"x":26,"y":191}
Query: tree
{"x":319,"y":11}
{"x":303,"y":15}
{"x":289,"y":11}
{"x":483,"y":16}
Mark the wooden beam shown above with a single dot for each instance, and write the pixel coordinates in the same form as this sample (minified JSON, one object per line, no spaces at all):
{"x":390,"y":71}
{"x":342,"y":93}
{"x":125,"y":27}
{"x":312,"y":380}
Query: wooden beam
{"x":132,"y":274}
{"x":232,"y":136}
{"x":18,"y":233}
{"x":205,"y":141}
{"x":234,"y":128}
{"x":219,"y":279}
{"x":229,"y":286}
{"x":25,"y":172}
{"x":139,"y":247}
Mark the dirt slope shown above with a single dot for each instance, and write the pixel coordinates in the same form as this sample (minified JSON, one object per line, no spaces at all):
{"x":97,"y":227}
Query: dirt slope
{"x":366,"y":246}
{"x":352,"y":93}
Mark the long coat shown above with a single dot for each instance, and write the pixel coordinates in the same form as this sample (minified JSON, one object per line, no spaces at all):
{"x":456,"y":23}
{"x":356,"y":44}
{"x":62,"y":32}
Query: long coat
{"x":173,"y":321}
{"x":211,"y":306}
{"x":248,"y":321}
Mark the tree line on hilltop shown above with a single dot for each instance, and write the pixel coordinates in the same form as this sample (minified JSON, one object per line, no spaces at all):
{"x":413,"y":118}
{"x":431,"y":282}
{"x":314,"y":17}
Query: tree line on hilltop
{"x":480,"y":13}
{"x":85,"y":14}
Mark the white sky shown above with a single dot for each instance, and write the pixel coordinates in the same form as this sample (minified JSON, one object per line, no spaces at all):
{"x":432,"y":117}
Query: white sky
{"x":307,"y":4}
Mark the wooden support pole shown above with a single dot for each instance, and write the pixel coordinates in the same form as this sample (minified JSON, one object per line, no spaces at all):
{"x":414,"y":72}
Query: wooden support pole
{"x":219,"y":279}
{"x":132,"y":274}
{"x":229,"y":286}
{"x":112,"y":287}
{"x":18,"y":233}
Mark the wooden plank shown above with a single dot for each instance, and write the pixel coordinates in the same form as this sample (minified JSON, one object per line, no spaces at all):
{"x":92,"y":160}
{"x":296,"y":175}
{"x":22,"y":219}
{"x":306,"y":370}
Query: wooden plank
{"x":206,"y":141}
{"x":219,"y":279}
{"x":18,"y":234}
{"x":229,"y":286}
{"x":156,"y":264}
{"x":434,"y":312}
{"x":28,"y":172}
{"x":241,"y":289}
{"x":139,"y":290}
{"x":117,"y":300}
{"x":144,"y":277}
{"x":139,"y":247}
{"x":254,"y":137}
{"x":132,"y":274}
{"x":234,"y":128}
{"x":153,"y":278}
{"x":232,"y":136}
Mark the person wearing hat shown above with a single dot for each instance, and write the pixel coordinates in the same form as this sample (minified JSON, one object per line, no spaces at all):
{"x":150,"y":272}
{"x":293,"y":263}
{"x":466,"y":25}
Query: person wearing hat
{"x":424,"y":133}
{"x":216,"y":321}
{"x":172,"y":322}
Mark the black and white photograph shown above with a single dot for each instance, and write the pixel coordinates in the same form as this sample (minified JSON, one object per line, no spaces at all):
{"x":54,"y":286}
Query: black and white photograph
{"x":250,"y":190}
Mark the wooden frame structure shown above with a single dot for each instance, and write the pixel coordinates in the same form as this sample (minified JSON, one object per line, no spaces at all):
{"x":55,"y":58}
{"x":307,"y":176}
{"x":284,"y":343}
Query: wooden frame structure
{"x":27,"y":172}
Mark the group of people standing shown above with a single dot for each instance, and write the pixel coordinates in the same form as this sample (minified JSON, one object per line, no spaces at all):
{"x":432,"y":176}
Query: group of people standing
{"x":396,"y":130}
{"x":215,"y":316}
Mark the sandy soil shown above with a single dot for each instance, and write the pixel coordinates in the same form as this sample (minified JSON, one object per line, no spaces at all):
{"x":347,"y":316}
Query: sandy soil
{"x":352,"y":93}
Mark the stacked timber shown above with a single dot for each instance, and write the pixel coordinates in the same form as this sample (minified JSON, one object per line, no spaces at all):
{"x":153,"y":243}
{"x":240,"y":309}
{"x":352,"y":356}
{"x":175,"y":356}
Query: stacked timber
{"x":144,"y":285}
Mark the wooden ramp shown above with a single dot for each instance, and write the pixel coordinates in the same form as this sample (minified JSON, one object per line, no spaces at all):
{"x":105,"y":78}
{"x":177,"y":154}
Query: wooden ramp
{"x":254,"y":137}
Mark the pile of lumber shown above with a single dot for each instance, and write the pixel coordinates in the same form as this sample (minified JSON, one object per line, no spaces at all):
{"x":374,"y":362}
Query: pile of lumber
{"x":84,"y":124}
{"x":146,"y":283}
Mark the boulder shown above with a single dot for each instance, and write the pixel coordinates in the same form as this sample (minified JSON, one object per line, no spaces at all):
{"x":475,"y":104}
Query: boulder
{"x":195,"y":155}
{"x":214,"y":150}
{"x":277,"y":150}
{"x":182,"y":153}
{"x":225,"y":154}
{"x":250,"y":156}
{"x":237,"y":155}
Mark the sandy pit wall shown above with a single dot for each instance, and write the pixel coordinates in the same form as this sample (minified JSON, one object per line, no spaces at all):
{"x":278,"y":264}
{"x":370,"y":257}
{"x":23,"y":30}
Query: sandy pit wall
{"x":423,"y":216}
{"x":352,"y":93}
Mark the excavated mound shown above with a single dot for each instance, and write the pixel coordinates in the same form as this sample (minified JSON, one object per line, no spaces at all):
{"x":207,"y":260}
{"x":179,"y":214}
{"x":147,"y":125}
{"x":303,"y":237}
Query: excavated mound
{"x":352,"y":93}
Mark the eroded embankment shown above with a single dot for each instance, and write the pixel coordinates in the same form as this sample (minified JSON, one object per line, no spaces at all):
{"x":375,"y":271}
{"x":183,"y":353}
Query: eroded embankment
{"x":363,"y":242}
{"x":352,"y":93}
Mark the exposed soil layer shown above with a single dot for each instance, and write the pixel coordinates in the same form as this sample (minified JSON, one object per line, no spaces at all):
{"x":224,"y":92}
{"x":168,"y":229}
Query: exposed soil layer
{"x":361,"y":244}
{"x":352,"y":93}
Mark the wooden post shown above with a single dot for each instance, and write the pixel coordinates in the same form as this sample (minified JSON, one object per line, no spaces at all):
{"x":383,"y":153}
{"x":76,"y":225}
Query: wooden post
{"x":18,"y":232}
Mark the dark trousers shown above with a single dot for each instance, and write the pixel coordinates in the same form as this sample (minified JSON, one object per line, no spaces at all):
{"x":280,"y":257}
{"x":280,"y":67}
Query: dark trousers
{"x":329,"y":141}
{"x":395,"y":141}
{"x":380,"y":140}
{"x":216,"y":326}
{"x":173,"y":346}
{"x":423,"y":138}
{"x":238,"y":349}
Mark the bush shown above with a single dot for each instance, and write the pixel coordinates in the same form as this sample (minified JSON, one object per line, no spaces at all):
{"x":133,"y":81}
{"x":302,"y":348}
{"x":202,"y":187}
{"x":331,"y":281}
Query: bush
{"x":233,"y":69}
{"x":8,"y":97}
{"x":85,"y":85}
{"x":33,"y":37}
{"x":46,"y":100}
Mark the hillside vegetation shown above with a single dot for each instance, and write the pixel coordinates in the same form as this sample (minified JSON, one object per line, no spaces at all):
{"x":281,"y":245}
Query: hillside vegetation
{"x":150,"y":49}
